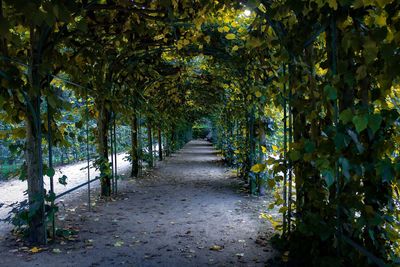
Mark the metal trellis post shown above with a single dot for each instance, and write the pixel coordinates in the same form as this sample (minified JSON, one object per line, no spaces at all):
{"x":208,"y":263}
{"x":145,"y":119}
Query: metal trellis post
{"x":87,"y":149}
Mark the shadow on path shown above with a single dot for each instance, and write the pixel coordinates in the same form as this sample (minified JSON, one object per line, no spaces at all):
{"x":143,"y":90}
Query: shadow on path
{"x":172,"y":217}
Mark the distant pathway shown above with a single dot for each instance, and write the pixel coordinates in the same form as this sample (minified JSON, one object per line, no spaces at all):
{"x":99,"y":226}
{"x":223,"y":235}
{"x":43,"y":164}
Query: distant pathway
{"x":189,"y":211}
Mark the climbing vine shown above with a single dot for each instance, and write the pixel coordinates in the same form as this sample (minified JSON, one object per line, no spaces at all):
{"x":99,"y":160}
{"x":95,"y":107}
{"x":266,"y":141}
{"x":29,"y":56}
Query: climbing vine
{"x":302,"y":98}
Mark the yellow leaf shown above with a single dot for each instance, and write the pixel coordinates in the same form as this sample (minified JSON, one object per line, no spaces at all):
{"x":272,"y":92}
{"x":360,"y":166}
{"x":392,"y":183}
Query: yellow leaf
{"x":382,"y":3}
{"x":159,"y":37}
{"x":216,"y":248}
{"x":390,"y":35}
{"x":220,"y":29}
{"x":332,"y":4}
{"x":235,"y":48}
{"x":35,"y":250}
{"x":207,"y":39}
{"x":226,"y":29}
{"x":258,"y":94}
{"x":381,"y":20}
{"x":259,"y":167}
{"x":264,"y":149}
{"x":275,"y":148}
{"x":230,"y":36}
{"x":180,"y":46}
{"x":320,"y":71}
{"x":262,"y":8}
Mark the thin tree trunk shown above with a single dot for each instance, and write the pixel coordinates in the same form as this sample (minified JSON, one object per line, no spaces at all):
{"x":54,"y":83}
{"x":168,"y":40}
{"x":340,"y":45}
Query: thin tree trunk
{"x":135,"y":143}
{"x":168,"y":144}
{"x":3,"y":41}
{"x":252,"y":150}
{"x":102,"y":143}
{"x":160,"y":150}
{"x":150,"y":144}
{"x":172,"y":143}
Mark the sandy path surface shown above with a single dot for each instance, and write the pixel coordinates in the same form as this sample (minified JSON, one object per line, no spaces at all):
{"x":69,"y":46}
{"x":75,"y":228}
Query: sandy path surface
{"x":13,"y":191}
{"x":171,"y":217}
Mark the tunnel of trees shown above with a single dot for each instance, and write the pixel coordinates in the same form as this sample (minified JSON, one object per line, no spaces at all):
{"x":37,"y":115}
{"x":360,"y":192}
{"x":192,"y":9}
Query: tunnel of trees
{"x":301,"y":98}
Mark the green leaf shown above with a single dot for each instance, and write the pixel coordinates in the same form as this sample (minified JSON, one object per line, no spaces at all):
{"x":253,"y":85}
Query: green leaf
{"x":384,"y":169}
{"x":328,"y":177}
{"x":346,"y":115}
{"x":50,"y":172}
{"x":63,"y":180}
{"x":374,"y":122}
{"x":294,"y":155}
{"x":330,"y":92}
{"x":309,"y":146}
{"x":345,"y":166}
{"x":361,"y":122}
{"x":370,"y":50}
{"x":341,"y":141}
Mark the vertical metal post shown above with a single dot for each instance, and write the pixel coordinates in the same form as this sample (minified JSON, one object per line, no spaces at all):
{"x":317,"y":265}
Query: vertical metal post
{"x":50,"y":143}
{"x":87,"y":148}
{"x":289,"y":214}
{"x":139,"y":144}
{"x":336,"y":122}
{"x":115,"y":158}
{"x":284,"y":152}
{"x":112,"y":152}
{"x":40,"y":157}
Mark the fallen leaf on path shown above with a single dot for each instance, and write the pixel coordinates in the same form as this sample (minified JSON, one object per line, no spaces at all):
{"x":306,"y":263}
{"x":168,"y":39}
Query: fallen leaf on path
{"x":240,"y":255}
{"x":57,"y":250}
{"x":118,"y":243}
{"x":216,"y":248}
{"x":35,"y":250}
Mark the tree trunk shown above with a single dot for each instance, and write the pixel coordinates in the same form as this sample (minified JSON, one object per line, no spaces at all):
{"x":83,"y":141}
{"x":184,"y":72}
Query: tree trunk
{"x":3,"y":41}
{"x":37,"y":226}
{"x":150,"y":145}
{"x":160,"y":150}
{"x":173,"y":141}
{"x":167,"y":144}
{"x":135,"y":152}
{"x":252,"y":149}
{"x":102,"y":147}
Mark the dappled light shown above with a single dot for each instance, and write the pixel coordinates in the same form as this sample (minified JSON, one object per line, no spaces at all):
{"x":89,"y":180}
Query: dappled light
{"x":199,"y":132}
